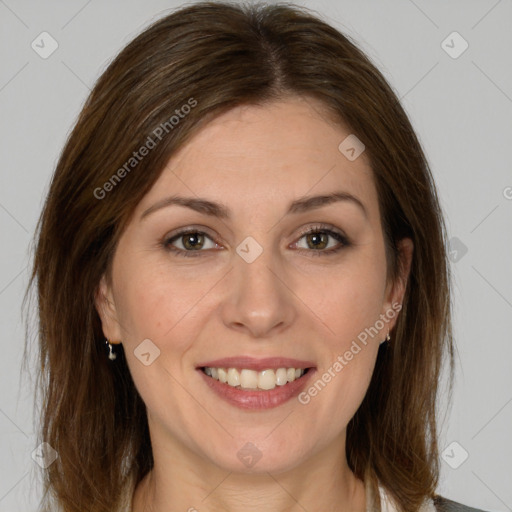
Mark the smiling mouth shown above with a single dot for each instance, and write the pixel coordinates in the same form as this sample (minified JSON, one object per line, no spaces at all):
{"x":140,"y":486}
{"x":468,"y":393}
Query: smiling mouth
{"x":250,"y":380}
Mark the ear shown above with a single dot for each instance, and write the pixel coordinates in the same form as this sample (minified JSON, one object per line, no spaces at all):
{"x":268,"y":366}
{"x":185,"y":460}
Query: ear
{"x":105,"y":306}
{"x":395,"y":291}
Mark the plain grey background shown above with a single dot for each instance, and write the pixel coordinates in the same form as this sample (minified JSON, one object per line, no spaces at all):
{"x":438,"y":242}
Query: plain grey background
{"x":460,"y":103}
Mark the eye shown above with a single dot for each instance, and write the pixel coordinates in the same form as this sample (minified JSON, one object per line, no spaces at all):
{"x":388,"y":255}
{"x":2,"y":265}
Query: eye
{"x":191,"y":241}
{"x":317,"y":239}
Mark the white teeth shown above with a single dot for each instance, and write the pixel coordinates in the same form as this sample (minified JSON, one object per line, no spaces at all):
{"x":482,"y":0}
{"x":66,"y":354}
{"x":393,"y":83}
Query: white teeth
{"x":233,"y":377}
{"x":267,"y":379}
{"x":251,"y":379}
{"x":223,"y":374}
{"x":281,"y":378}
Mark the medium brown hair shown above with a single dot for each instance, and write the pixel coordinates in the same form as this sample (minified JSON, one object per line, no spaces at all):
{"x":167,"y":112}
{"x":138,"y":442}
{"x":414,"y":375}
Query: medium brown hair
{"x":221,"y":55}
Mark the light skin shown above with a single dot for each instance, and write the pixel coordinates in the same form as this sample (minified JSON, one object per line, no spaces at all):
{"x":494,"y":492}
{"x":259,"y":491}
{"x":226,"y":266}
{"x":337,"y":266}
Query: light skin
{"x":294,"y":300}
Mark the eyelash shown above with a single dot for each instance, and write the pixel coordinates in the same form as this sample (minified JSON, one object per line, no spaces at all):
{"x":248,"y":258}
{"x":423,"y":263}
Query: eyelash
{"x":312,"y":230}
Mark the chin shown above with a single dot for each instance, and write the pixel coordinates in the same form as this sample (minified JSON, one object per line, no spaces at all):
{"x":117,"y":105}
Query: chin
{"x":257,"y":457}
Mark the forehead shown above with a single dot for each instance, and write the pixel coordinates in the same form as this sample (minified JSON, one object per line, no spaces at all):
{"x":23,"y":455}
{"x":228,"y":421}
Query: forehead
{"x":274,"y":152}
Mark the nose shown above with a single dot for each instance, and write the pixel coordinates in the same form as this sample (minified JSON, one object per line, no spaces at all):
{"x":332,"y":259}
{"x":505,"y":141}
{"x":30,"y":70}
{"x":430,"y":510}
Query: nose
{"x":260,"y":303}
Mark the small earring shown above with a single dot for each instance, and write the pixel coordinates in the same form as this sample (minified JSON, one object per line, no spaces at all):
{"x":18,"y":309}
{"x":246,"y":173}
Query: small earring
{"x":111,"y":354}
{"x":388,"y":337}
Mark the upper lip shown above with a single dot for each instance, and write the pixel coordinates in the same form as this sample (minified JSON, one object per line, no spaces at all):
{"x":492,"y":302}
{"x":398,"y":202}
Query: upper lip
{"x":256,"y":364}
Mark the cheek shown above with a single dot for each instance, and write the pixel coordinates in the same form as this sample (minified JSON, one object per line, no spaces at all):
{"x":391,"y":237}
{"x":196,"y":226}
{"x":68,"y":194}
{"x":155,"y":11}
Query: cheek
{"x":350,"y":307}
{"x":168,"y":307}
{"x":352,"y":301}
{"x":342,"y":381}
{"x":156,"y":299}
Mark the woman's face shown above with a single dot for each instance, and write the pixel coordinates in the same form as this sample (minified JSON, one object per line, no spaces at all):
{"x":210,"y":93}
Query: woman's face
{"x":250,"y":285}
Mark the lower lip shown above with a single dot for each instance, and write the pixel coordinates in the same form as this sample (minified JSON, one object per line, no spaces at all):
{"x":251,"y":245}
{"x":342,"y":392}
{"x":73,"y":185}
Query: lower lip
{"x":258,"y":399}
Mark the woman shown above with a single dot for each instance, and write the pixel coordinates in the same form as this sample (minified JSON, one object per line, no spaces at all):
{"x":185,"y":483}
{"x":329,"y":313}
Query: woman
{"x":242,"y":279}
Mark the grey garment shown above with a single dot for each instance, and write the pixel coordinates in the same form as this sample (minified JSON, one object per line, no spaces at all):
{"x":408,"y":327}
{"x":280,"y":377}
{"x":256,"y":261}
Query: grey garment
{"x":446,"y":505}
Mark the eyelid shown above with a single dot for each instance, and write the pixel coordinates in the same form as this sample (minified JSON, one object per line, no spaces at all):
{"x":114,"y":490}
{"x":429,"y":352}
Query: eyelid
{"x":319,"y":226}
{"x":190,"y":229}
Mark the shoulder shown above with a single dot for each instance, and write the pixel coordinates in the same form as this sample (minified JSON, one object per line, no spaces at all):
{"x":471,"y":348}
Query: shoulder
{"x":446,"y":505}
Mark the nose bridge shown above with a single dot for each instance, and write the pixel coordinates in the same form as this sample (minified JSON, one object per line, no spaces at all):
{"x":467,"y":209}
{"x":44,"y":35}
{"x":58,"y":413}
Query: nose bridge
{"x":258,"y":300}
{"x":256,"y":278}
{"x":256,"y":275}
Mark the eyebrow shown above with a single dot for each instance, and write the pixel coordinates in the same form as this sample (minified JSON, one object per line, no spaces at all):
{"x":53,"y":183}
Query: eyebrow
{"x":220,"y":211}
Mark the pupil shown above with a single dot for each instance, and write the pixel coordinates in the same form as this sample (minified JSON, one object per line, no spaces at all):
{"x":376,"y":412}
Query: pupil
{"x":317,"y":237}
{"x":191,"y":240}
